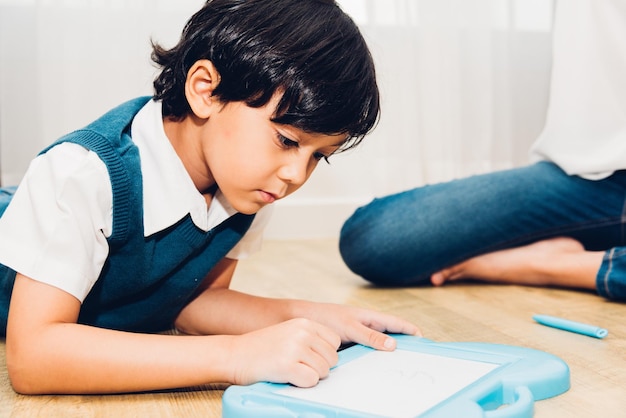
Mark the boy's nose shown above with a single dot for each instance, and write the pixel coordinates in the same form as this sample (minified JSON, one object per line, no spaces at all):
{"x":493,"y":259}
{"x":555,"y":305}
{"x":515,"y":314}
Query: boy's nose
{"x":295,"y":171}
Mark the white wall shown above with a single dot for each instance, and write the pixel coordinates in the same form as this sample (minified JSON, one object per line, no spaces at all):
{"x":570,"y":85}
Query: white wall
{"x":63,"y":63}
{"x":464,"y":89}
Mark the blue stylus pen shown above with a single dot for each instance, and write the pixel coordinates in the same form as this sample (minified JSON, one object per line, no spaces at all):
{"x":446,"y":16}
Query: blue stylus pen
{"x":571,"y":326}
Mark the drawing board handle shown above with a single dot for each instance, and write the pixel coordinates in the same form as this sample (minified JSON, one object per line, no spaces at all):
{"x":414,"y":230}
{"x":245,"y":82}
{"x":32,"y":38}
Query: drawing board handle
{"x":523,"y":407}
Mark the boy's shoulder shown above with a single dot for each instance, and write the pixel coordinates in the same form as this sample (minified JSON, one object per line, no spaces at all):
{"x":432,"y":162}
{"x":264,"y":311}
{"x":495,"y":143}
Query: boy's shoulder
{"x":110,"y":126}
{"x":109,"y":137}
{"x":121,"y":115}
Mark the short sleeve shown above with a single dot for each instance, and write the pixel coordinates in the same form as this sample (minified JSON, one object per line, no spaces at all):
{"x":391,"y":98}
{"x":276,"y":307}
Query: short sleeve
{"x":55,"y":228}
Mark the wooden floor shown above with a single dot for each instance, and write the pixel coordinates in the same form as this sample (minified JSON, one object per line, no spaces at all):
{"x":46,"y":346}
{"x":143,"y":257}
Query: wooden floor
{"x":461,"y":312}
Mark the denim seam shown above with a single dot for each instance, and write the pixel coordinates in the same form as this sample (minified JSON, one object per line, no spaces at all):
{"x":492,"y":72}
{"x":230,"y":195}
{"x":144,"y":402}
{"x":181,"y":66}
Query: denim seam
{"x":580,"y":227}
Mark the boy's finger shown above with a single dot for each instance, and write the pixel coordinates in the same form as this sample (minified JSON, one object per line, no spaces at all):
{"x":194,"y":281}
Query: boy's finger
{"x":376,"y":340}
{"x":404,"y":327}
{"x":328,"y":335}
{"x":393,"y":324}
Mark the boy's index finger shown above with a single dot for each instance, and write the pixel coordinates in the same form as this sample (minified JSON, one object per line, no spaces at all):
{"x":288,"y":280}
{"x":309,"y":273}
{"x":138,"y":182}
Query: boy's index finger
{"x":406,"y":328}
{"x":396,"y":325}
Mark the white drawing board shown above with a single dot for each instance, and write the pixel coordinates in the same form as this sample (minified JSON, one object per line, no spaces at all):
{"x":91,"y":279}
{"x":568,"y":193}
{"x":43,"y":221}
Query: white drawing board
{"x":380,"y":383}
{"x":420,"y":378}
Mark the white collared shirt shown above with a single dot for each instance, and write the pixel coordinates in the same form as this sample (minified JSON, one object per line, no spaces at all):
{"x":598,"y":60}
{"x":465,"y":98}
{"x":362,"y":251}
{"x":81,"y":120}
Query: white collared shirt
{"x":55,"y":228}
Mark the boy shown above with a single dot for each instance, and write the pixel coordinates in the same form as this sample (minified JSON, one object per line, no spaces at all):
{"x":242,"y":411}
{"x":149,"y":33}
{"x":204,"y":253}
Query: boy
{"x":133,"y":224}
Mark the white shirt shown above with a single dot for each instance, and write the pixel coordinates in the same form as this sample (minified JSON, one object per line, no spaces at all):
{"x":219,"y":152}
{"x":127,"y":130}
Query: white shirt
{"x":585,"y":131}
{"x":55,"y":228}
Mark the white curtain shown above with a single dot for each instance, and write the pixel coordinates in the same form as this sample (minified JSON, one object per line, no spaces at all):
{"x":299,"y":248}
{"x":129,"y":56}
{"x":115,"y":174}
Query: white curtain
{"x":65,"y":62}
{"x":464,"y":87}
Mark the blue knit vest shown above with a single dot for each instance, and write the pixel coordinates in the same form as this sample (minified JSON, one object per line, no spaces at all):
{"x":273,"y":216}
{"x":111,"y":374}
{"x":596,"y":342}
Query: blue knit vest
{"x":146,"y":281}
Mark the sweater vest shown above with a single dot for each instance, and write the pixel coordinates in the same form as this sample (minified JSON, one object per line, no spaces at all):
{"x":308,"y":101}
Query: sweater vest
{"x":145,"y":281}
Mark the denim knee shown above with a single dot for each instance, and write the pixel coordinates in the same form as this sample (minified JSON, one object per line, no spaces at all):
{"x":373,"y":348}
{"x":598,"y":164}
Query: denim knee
{"x":376,"y":244}
{"x":359,"y":244}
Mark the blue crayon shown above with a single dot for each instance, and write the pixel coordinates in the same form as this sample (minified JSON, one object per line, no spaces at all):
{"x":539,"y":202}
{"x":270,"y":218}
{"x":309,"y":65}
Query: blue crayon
{"x":571,"y":326}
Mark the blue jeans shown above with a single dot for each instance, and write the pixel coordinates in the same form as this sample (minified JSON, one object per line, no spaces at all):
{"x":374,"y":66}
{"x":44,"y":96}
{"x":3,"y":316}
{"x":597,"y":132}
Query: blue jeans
{"x":402,"y":239}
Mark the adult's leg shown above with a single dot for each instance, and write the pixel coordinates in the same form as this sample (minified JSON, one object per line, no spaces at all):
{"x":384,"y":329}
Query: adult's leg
{"x":562,"y":262}
{"x":402,"y":239}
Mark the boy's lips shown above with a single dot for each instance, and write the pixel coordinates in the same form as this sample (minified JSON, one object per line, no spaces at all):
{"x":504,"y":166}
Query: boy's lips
{"x":268,"y":197}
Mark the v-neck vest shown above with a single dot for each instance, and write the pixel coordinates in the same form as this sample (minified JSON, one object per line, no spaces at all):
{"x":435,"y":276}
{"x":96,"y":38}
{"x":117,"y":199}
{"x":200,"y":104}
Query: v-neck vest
{"x":145,"y":281}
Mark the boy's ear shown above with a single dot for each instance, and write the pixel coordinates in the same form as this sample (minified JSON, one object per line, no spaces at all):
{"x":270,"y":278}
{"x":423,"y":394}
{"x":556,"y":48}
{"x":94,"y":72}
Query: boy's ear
{"x":202,"y":79}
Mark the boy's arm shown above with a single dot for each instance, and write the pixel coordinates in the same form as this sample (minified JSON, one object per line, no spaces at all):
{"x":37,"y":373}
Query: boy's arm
{"x":48,"y":352}
{"x":219,"y":310}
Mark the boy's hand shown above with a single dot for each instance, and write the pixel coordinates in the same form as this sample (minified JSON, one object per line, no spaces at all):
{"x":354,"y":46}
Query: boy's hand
{"x":362,"y":326}
{"x":298,"y":351}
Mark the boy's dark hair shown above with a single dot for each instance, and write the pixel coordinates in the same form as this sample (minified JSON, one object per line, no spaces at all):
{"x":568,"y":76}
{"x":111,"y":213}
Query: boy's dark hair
{"x":308,"y":49}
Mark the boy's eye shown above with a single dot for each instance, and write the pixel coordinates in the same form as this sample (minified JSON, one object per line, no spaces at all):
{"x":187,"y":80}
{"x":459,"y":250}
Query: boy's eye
{"x":319,"y":156}
{"x":286,"y":142}
{"x":290,"y":143}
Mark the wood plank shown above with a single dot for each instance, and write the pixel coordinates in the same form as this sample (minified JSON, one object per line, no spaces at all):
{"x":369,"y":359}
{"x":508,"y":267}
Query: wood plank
{"x":461,"y":312}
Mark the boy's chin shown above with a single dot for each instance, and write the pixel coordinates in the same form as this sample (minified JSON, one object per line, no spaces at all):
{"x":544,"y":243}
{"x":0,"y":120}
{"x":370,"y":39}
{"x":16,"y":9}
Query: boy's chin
{"x":249,"y":208}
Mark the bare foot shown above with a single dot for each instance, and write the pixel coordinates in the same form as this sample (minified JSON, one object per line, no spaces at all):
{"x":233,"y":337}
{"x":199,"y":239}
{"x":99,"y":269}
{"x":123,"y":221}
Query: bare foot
{"x":557,"y":262}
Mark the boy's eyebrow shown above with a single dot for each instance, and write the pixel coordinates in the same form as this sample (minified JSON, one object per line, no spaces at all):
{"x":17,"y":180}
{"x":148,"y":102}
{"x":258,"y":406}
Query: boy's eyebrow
{"x":336,"y":146}
{"x":343,"y":141}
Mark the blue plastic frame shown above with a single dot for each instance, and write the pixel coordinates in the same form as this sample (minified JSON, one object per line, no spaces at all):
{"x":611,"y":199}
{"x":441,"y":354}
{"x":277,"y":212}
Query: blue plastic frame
{"x":524,"y":375}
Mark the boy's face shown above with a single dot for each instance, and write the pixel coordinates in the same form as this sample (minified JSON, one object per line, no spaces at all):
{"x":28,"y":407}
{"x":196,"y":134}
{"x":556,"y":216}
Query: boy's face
{"x":256,"y":161}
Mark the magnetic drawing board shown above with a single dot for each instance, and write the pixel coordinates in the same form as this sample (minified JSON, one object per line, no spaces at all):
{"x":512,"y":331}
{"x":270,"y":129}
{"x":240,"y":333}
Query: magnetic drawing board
{"x":421,"y":378}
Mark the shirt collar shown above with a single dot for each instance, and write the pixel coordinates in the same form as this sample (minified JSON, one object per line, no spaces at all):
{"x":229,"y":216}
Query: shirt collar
{"x":168,"y":192}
